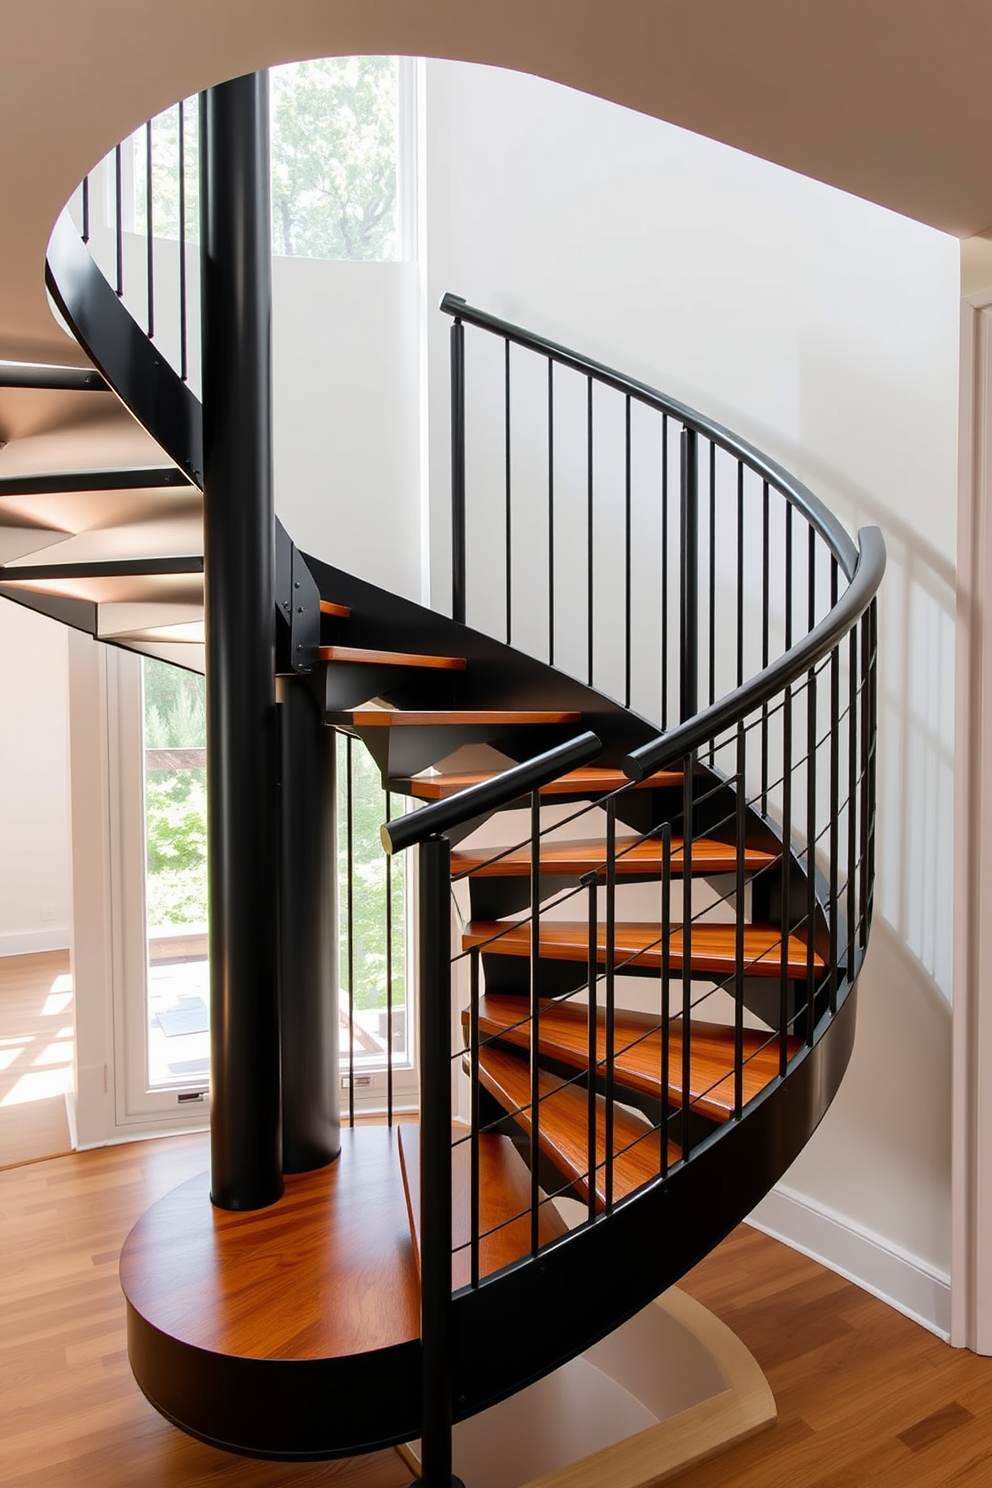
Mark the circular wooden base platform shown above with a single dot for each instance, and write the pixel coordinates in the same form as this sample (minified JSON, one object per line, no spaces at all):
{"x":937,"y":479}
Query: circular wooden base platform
{"x":279,"y":1332}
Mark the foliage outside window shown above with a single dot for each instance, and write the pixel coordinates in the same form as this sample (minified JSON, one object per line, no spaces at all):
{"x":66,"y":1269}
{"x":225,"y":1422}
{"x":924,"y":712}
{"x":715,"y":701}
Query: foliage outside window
{"x":175,"y":799}
{"x":334,"y":125}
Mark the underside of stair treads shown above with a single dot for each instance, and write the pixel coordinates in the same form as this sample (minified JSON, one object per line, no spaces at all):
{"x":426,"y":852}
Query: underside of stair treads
{"x":564,"y":1040}
{"x":563,"y":1128}
{"x":361,"y":655}
{"x":638,"y":945}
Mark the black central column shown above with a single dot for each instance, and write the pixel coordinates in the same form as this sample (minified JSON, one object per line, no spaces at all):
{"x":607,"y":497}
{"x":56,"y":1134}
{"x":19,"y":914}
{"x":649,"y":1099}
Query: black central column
{"x":239,"y":568}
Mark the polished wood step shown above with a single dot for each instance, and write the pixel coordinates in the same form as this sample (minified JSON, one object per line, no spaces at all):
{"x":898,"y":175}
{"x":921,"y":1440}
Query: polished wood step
{"x":638,"y":946}
{"x":564,"y":1038}
{"x":563,"y":1128}
{"x":635,"y":856}
{"x":389,"y":718}
{"x":504,"y":1203}
{"x":589,"y":781}
{"x":328,"y":607}
{"x":358,"y":655}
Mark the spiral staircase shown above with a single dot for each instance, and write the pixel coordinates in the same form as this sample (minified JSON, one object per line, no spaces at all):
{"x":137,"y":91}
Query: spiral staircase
{"x":638,"y":940}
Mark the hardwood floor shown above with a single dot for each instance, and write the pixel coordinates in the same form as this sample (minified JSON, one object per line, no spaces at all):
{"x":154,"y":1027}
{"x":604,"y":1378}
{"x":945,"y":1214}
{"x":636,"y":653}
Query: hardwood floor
{"x":865,"y":1397}
{"x":36,"y":1051}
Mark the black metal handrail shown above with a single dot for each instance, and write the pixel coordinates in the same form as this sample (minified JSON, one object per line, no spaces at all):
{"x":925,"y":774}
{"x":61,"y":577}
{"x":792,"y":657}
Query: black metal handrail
{"x":704,"y":726}
{"x":489,"y":795}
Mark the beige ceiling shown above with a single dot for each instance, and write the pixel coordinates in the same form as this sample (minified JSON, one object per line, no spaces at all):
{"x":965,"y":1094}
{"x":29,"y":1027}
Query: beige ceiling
{"x":889,"y":99}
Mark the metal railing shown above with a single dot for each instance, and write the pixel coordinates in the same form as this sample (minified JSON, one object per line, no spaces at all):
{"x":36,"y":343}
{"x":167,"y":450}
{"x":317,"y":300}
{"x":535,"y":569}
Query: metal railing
{"x":777,"y":770}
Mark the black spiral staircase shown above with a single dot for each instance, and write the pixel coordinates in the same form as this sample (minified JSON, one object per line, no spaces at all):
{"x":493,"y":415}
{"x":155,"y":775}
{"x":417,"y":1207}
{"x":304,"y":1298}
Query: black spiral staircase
{"x":639,"y":933}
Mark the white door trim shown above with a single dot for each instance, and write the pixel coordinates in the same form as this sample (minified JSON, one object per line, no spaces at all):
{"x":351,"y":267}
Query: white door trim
{"x":971,"y":1256}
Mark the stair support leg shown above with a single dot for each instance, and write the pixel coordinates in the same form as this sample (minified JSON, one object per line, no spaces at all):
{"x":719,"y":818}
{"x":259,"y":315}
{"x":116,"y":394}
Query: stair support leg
{"x":239,"y":607}
{"x":309,"y":1015}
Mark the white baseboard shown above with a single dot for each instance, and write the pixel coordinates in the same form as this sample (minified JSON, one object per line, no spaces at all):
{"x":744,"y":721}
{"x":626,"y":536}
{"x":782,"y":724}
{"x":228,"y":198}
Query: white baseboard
{"x":909,"y":1284}
{"x":29,"y":942}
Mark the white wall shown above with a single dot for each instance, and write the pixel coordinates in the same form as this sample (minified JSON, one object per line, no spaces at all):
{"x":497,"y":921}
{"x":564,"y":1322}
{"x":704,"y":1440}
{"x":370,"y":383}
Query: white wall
{"x":346,"y":415}
{"x":824,"y":329}
{"x":34,"y":836}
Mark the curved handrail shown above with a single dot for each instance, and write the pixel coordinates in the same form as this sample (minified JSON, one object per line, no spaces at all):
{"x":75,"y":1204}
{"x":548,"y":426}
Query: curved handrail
{"x":786,"y":669}
{"x":812,"y":508}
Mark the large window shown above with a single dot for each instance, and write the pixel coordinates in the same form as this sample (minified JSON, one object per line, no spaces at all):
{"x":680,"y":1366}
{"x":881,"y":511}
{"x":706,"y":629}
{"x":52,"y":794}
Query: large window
{"x":372,"y":980}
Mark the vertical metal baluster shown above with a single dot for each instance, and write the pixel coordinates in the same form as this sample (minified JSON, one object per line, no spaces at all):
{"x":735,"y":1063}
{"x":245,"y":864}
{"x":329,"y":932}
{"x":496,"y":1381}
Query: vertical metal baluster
{"x":590,"y":881}
{"x":872,"y":749}
{"x":740,"y":573}
{"x":666,"y":988}
{"x":664,"y":570}
{"x":590,"y":565}
{"x":150,"y":226}
{"x":764,"y":641}
{"x":627,"y":543}
{"x":535,"y":1016}
{"x":86,"y":209}
{"x":712,"y":587}
{"x":688,"y":767}
{"x":789,"y":587}
{"x":739,"y":894}
{"x":119,"y":206}
{"x":610,"y":1030}
{"x":389,"y":974}
{"x":551,"y":512}
{"x":811,"y":773}
{"x":834,"y":795}
{"x":350,"y":828}
{"x":811,"y":578}
{"x":852,"y":797}
{"x":474,"y":1062}
{"x":507,"y":465}
{"x":183,"y":312}
{"x":783,"y":1031}
{"x":689,"y":575}
{"x":810,"y":852}
{"x":458,"y":577}
{"x":864,"y":778}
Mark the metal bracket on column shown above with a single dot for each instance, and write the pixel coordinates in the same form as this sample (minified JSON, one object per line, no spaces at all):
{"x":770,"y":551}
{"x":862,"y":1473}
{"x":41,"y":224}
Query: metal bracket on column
{"x":298,"y":608}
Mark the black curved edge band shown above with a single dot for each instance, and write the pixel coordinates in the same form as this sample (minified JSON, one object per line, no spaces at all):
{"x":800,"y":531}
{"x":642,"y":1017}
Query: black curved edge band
{"x":307,"y":1410}
{"x":131,"y":364}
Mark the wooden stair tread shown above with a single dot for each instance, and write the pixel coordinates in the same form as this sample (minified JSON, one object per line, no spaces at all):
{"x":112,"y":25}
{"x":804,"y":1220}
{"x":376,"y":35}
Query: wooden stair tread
{"x":594,"y":780}
{"x":356,"y":654}
{"x":564,"y":1038}
{"x":713,"y":947}
{"x":328,"y":607}
{"x":401,"y":718}
{"x":563,"y":1128}
{"x":642,"y":855}
{"x":504,"y":1203}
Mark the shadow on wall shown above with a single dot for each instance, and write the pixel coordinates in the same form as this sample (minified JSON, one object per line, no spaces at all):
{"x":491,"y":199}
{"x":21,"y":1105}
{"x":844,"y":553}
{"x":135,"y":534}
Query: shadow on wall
{"x":893,"y":1110}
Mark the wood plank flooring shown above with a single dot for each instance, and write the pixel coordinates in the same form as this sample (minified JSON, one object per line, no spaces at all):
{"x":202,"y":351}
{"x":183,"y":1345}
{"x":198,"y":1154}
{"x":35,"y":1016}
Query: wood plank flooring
{"x":866,"y":1398}
{"x":36,"y":1052}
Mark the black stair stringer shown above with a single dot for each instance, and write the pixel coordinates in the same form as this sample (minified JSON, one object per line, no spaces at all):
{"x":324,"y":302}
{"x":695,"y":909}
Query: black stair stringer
{"x":497,"y":675}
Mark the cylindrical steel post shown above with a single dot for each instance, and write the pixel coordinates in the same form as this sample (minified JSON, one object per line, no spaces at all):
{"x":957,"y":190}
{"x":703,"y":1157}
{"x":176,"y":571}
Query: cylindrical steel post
{"x":311,"y":1126}
{"x":435,"y":1159}
{"x":239,"y":602}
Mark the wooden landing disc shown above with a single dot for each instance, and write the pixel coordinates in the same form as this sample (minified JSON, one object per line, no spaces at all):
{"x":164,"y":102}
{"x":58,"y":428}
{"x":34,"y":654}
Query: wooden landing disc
{"x":274,"y":1332}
